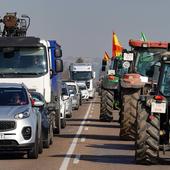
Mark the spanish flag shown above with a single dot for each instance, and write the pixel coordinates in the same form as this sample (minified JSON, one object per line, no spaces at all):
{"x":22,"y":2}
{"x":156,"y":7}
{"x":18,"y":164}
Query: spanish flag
{"x":106,"y":57}
{"x":116,"y":46}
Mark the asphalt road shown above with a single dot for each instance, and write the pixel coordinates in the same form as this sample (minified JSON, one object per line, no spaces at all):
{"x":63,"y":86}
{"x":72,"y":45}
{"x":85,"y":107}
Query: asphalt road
{"x":86,"y":143}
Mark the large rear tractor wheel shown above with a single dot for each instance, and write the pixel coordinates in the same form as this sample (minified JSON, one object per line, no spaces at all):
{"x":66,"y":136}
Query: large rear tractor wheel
{"x":147,"y":137}
{"x":106,"y":107}
{"x":128,"y":113}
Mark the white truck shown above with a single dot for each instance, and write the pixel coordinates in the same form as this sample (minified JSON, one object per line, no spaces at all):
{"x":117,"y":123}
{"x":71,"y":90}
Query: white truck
{"x":83,"y":72}
{"x":36,"y":63}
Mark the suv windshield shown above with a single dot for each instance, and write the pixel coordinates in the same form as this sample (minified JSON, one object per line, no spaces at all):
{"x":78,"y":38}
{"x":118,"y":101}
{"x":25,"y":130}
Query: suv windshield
{"x":165,"y":83}
{"x":22,"y":60}
{"x":146,"y":60}
{"x":13,"y":97}
{"x":82,"y":75}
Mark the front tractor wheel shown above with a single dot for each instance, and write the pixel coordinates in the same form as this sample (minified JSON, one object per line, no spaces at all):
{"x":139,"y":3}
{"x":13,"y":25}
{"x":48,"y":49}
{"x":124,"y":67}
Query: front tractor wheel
{"x":147,"y":137}
{"x":106,"y":107}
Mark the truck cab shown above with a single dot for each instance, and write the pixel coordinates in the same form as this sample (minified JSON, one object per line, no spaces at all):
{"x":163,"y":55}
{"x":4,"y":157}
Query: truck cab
{"x":83,"y":73}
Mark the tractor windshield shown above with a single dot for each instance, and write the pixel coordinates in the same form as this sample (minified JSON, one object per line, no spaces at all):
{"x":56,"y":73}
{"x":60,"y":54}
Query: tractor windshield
{"x":146,"y":59}
{"x":22,"y":61}
{"x":165,"y":82}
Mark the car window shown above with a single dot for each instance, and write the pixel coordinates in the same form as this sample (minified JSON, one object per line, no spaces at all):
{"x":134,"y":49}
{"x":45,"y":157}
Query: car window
{"x":13,"y":96}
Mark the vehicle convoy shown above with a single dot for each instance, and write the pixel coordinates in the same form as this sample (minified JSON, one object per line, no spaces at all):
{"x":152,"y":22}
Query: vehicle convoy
{"x":36,"y":63}
{"x":20,"y":122}
{"x":83,"y":72}
{"x":110,"y":84}
{"x":153,"y":117}
{"x":141,"y":79}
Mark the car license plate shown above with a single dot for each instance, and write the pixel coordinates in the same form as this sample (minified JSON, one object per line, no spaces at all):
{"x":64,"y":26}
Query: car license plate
{"x":2,"y":136}
{"x":158,"y":107}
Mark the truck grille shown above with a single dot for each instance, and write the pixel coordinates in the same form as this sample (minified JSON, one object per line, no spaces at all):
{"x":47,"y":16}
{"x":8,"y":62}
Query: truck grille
{"x":88,"y":84}
{"x":7,"y":125}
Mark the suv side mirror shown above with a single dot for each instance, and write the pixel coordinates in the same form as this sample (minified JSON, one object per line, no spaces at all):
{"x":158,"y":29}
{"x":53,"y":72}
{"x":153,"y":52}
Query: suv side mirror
{"x":38,"y":104}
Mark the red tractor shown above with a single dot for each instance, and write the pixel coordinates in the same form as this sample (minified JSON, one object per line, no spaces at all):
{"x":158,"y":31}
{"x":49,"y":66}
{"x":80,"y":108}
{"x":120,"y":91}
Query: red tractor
{"x":139,"y":81}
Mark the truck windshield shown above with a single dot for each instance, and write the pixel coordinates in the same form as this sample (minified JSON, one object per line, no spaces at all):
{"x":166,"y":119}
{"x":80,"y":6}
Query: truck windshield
{"x":82,"y":75}
{"x":146,"y":60}
{"x":23,"y":60}
{"x":165,"y":83}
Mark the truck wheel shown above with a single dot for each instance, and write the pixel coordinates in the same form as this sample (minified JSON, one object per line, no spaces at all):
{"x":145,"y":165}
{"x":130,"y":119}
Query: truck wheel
{"x":57,"y":128}
{"x":106,"y":107}
{"x":63,"y":123}
{"x":128,"y":113}
{"x":147,"y":137}
{"x":33,"y":153}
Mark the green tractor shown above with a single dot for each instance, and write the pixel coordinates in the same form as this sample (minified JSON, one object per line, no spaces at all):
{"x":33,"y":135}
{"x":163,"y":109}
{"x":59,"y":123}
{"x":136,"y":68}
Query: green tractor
{"x":139,"y":81}
{"x":110,"y":86}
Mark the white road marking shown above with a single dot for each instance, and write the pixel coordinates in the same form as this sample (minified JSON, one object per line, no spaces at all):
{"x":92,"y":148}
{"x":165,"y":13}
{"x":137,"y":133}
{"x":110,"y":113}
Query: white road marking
{"x":72,"y":147}
{"x":76,"y":159}
{"x":86,"y":128}
{"x":83,"y":139}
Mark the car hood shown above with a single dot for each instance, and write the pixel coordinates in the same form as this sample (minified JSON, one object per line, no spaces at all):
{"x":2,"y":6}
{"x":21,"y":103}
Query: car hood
{"x":8,"y":112}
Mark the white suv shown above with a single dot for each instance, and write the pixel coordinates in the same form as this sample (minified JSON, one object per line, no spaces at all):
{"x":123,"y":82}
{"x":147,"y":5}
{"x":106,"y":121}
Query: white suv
{"x":74,"y":93}
{"x":20,"y":122}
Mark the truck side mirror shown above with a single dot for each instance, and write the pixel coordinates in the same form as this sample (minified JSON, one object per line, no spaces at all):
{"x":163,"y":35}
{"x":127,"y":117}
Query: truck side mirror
{"x":58,"y":65}
{"x":58,"y":53}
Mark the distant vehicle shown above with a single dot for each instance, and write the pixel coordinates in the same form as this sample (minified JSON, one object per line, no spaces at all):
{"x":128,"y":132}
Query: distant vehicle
{"x":74,"y":93}
{"x":84,"y":91}
{"x":67,"y":100}
{"x":20,"y":122}
{"x":83,"y":72}
{"x":47,"y":119}
{"x":62,"y":112}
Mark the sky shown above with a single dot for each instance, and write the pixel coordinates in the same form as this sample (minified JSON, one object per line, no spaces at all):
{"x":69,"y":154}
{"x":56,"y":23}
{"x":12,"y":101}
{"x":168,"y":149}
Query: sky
{"x":84,"y":27}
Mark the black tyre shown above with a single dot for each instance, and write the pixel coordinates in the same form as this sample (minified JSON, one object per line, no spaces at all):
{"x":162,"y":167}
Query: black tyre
{"x":147,"y":138}
{"x":128,"y":113}
{"x":33,"y":153}
{"x":51,"y":134}
{"x":57,"y":128}
{"x":106,"y":107}
{"x":46,"y":143}
{"x":63,"y":123}
{"x":40,"y":149}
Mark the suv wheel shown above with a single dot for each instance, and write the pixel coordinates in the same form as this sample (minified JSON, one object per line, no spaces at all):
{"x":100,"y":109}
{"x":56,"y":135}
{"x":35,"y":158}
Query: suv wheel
{"x":33,"y":153}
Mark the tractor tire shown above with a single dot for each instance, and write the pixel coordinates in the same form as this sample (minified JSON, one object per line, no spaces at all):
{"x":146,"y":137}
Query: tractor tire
{"x":147,"y":137}
{"x":106,"y":107}
{"x":128,"y":113}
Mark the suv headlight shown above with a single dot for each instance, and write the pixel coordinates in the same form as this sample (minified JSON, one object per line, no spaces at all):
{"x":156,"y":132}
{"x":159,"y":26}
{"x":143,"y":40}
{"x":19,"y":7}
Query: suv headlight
{"x":22,"y":115}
